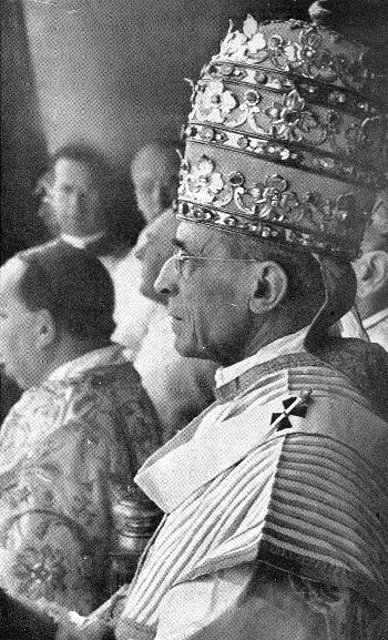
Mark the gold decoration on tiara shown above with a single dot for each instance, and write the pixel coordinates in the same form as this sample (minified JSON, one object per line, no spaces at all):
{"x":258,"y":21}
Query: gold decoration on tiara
{"x":269,"y":209}
{"x":301,"y":97}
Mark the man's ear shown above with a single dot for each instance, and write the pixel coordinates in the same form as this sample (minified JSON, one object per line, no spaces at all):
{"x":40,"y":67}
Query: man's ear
{"x":45,"y":330}
{"x":271,"y":285}
{"x":372,"y":273}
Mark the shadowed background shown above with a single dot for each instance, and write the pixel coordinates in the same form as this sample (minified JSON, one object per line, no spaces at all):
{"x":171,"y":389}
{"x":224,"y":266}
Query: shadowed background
{"x":112,"y":71}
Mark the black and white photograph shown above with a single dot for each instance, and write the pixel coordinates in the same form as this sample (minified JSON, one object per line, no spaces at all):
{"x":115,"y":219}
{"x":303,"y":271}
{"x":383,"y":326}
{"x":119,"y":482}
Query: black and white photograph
{"x":194,"y":320}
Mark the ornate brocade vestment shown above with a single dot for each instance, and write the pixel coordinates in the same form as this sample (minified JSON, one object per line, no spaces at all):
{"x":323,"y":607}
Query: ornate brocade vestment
{"x":68,"y":453}
{"x":247,"y":483}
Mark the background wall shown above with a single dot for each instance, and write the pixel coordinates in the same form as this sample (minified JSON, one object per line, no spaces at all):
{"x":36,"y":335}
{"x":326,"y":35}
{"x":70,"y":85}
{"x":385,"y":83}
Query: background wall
{"x":23,"y":145}
{"x":111,"y":71}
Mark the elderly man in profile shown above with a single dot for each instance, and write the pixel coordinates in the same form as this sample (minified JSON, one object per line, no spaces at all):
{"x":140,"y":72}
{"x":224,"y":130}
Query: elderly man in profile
{"x":275,"y":498}
{"x":180,"y":388}
{"x":155,"y":176}
{"x":69,"y":449}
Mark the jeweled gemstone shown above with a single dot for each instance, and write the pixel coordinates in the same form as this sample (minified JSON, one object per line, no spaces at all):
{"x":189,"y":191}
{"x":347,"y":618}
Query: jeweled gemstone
{"x":226,"y":69}
{"x":291,"y":117}
{"x":327,"y":163}
{"x":236,"y":179}
{"x":242,"y":142}
{"x":221,"y":137}
{"x":284,"y":154}
{"x":207,"y":134}
{"x":260,"y":77}
{"x":251,"y":97}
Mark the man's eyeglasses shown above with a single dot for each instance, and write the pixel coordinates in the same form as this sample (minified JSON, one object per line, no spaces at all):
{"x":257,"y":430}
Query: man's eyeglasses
{"x":181,"y":261}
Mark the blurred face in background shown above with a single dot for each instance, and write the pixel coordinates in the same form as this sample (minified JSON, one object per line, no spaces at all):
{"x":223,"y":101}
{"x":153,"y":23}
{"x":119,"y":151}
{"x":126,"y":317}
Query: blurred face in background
{"x":151,"y":179}
{"x":75,"y":199}
{"x":153,"y":248}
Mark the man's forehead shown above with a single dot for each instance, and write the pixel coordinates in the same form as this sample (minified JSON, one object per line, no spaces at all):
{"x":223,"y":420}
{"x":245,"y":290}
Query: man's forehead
{"x":149,"y":163}
{"x":194,"y":236}
{"x":73,"y":171}
{"x":166,"y":222}
{"x":162,"y":228}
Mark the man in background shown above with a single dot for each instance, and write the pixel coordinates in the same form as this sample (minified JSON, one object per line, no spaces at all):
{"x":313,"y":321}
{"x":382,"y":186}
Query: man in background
{"x":180,"y":388}
{"x":154,"y":171}
{"x":69,"y":449}
{"x":90,"y":208}
{"x":154,"y":174}
{"x":372,"y":278}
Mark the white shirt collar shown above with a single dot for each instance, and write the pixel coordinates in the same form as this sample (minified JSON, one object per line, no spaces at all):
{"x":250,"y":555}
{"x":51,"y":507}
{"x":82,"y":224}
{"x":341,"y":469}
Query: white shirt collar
{"x":81,"y":242}
{"x":293,"y":343}
{"x":375,"y":319}
{"x":97,"y":358}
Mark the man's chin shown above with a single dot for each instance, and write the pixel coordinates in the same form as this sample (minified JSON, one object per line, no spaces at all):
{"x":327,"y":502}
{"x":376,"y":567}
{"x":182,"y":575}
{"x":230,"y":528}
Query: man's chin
{"x":187,"y":350}
{"x":148,"y":292}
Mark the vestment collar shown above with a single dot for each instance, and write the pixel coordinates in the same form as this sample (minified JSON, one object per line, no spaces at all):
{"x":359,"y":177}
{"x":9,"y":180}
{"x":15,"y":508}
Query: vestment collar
{"x":179,"y":467}
{"x":293,"y":343}
{"x":81,"y":242}
{"x":97,"y":358}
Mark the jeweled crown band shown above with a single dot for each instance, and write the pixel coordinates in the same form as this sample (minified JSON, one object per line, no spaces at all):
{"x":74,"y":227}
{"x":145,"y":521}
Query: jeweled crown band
{"x":288,"y":116}
{"x":270,"y":209}
{"x":281,"y":152}
{"x":304,"y":49}
{"x":189,"y":212}
{"x":311,"y":89}
{"x":319,"y":137}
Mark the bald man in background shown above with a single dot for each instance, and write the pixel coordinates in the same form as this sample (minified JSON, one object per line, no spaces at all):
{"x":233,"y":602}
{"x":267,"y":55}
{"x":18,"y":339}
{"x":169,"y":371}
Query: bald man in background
{"x":154,"y":172}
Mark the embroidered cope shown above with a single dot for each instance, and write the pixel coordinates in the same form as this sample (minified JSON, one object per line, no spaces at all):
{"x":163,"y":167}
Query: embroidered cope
{"x":270,"y":531}
{"x":68,"y":453}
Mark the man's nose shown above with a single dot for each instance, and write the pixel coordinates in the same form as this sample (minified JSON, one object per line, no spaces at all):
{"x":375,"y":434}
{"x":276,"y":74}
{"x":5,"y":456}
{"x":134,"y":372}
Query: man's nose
{"x":166,"y":282}
{"x":74,"y":202}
